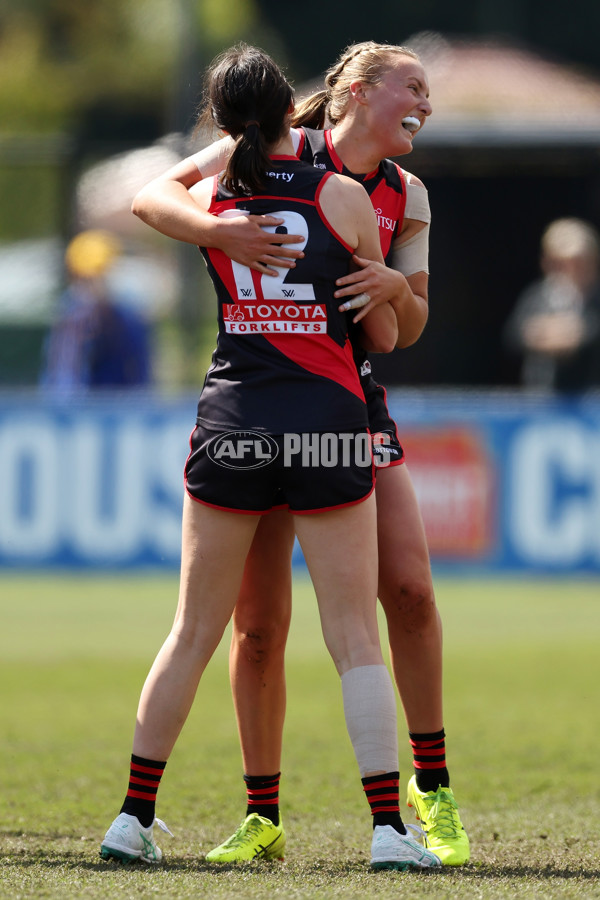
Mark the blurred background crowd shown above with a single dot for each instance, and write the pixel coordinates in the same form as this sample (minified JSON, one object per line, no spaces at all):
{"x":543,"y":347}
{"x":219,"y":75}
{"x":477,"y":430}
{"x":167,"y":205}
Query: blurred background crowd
{"x":97,"y":98}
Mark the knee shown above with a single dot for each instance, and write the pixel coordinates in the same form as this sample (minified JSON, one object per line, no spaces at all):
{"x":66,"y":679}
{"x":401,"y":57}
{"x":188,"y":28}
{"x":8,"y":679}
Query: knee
{"x":411,"y":606}
{"x":261,"y":643}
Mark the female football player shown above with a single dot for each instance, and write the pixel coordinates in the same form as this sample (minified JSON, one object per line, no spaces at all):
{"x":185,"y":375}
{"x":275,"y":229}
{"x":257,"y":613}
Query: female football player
{"x":282,"y":371}
{"x":376,"y":99}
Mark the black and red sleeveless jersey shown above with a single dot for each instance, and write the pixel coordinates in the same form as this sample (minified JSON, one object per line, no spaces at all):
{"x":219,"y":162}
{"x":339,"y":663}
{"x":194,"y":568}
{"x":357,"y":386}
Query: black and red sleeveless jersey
{"x":283,"y":361}
{"x":386,"y":186}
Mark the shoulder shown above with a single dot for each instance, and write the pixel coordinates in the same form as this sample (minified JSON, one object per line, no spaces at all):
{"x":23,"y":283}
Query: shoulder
{"x":534,"y":296}
{"x":417,"y":199}
{"x":344,"y":203}
{"x":393,"y":174}
{"x":411,"y":179}
{"x":212,"y":159}
{"x":311,"y":143}
{"x":127,"y":312}
{"x":346,"y":187}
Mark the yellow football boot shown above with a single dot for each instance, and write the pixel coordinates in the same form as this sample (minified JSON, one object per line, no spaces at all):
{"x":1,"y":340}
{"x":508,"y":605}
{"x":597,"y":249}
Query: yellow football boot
{"x":437,"y":813}
{"x":256,"y":838}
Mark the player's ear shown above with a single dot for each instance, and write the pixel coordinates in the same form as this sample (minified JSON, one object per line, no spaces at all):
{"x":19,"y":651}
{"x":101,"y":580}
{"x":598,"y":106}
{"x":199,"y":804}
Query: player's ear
{"x":358,"y":91}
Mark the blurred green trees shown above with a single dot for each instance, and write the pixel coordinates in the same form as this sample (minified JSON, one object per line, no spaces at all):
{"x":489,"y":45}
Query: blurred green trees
{"x":59,"y":58}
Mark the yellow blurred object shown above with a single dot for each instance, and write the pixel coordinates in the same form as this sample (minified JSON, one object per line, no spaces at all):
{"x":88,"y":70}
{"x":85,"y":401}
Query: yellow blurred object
{"x":91,"y":253}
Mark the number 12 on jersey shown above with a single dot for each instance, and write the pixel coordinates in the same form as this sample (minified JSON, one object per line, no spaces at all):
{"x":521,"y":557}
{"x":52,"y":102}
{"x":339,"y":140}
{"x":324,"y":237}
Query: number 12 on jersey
{"x":274,"y":287}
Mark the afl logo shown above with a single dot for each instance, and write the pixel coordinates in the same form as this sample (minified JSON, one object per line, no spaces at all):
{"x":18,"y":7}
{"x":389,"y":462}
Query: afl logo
{"x":242,"y":450}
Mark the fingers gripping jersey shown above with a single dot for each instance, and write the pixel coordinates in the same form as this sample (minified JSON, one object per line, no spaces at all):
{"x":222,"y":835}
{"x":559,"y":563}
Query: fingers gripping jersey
{"x":283,"y":361}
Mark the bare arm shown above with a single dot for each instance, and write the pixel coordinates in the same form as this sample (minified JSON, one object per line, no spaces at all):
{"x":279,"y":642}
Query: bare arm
{"x":167,"y":206}
{"x":349,"y":209}
{"x":411,"y":303}
{"x":408,"y":294}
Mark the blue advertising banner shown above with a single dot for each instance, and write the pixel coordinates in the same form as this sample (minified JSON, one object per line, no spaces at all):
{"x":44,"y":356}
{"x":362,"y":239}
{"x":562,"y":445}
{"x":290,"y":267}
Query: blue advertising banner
{"x":506,"y":481}
{"x":96,"y":483}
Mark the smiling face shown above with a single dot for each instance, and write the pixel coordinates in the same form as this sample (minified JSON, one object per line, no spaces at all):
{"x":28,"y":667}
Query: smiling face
{"x":396,"y":108}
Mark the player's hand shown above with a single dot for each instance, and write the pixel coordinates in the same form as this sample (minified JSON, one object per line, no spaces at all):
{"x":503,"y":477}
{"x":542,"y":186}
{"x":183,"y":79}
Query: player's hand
{"x":246,"y":241}
{"x":370,"y":285}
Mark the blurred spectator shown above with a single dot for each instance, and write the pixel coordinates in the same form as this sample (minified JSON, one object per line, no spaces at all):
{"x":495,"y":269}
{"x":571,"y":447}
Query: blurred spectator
{"x":555,"y":324}
{"x":98,"y":340}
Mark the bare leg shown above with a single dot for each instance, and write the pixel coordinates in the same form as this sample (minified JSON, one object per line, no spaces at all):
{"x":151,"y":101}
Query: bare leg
{"x":415,"y":633}
{"x":261,"y":623}
{"x":406,"y":594}
{"x":214,"y":549}
{"x":340,"y":548}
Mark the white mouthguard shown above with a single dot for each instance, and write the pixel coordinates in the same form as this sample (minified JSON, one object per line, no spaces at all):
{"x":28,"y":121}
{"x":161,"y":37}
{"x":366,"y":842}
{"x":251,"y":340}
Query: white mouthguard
{"x":411,"y":123}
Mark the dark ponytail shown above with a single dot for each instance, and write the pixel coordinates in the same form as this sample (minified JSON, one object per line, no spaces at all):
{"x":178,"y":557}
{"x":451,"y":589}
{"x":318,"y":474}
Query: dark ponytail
{"x":248,"y":96}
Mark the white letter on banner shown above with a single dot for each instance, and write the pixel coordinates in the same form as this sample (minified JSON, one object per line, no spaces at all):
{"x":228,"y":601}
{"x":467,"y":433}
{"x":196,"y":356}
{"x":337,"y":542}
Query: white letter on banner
{"x":540,"y":453}
{"x":108,"y":489}
{"x":30,"y":467}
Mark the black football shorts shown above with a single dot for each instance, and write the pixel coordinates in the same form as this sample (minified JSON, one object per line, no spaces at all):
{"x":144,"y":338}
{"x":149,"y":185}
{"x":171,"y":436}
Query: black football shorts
{"x":253,"y":472}
{"x":387,"y":449}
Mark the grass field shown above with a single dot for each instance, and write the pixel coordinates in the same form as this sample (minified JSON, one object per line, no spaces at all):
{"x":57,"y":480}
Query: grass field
{"x":522,"y":676}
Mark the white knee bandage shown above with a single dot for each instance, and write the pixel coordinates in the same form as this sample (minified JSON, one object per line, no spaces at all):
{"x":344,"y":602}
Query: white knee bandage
{"x":370,"y":710}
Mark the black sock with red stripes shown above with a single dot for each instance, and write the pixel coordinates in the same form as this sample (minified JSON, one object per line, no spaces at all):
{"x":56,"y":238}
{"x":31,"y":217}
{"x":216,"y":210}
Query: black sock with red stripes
{"x":429,"y":760}
{"x":263,"y":796}
{"x":383,"y":795}
{"x":144,"y":779}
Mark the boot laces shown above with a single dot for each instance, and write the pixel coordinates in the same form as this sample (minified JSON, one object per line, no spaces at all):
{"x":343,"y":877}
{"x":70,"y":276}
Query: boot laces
{"x":245,"y":833}
{"x":163,"y":827}
{"x":442,"y":813}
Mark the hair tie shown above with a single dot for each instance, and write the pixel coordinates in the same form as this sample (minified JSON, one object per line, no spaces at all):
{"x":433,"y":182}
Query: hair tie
{"x":251,"y":122}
